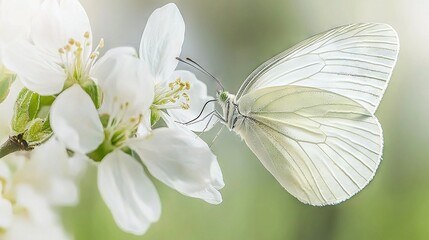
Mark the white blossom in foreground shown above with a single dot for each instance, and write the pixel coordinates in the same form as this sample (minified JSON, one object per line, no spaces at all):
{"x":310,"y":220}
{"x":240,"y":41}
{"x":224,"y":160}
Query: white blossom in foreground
{"x":176,"y":157}
{"x":58,"y":52}
{"x":178,"y":92}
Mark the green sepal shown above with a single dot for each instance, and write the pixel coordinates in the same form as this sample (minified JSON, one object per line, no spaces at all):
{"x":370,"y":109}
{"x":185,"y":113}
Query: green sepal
{"x":27,"y":107}
{"x":104,"y":118}
{"x":154,"y":116}
{"x":47,"y":100}
{"x":6,"y":80}
{"x":94,"y":91}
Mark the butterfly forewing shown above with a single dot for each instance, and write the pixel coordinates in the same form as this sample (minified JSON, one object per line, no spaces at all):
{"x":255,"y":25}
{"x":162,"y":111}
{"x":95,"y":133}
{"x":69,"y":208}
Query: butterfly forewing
{"x":355,"y":61}
{"x":322,"y":147}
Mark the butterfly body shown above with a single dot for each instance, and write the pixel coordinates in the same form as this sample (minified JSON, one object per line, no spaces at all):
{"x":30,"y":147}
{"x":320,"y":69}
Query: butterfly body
{"x":229,"y":109}
{"x":308,"y":113}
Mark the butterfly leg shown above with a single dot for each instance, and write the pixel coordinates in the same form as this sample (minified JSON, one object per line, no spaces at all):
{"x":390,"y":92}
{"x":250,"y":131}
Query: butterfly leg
{"x":199,"y":115}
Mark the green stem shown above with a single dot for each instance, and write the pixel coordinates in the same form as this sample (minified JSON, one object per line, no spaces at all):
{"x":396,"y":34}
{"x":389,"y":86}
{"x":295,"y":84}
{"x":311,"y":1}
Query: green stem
{"x":10,"y":146}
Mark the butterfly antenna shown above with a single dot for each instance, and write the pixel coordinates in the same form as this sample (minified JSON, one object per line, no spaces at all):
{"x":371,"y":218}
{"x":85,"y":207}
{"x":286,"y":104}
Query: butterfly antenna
{"x":197,"y":66}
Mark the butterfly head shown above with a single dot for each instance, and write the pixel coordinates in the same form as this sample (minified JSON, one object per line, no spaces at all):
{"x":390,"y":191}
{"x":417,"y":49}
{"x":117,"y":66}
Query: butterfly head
{"x":222,"y":96}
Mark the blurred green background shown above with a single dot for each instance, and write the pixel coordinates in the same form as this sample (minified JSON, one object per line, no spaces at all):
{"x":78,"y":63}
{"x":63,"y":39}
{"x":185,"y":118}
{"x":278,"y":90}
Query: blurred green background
{"x":233,"y":37}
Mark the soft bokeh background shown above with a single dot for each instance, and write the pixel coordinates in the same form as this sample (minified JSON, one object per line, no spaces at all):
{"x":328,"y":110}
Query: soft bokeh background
{"x":231,"y":38}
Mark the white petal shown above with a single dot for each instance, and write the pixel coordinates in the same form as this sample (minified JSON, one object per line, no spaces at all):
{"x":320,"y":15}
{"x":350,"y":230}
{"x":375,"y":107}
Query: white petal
{"x":49,"y":173}
{"x":182,"y":161}
{"x":210,"y":194}
{"x":78,"y":164}
{"x":16,"y":18}
{"x":145,"y":127}
{"x":34,"y":203}
{"x":162,"y":41}
{"x":75,"y":121}
{"x":128,"y":192}
{"x":198,"y":98}
{"x":5,"y":173}
{"x":36,"y":72}
{"x":58,"y":22}
{"x":124,"y":79}
{"x":24,"y":228}
{"x":6,"y":213}
{"x":217,"y":176}
{"x":115,"y":52}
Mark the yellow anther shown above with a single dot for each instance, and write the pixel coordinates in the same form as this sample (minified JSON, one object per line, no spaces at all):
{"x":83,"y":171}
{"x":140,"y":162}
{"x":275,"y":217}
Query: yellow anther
{"x":94,"y":55}
{"x":67,"y":48}
{"x":186,"y":96}
{"x":178,"y":81}
{"x":71,"y":41}
{"x":184,"y":106}
{"x":78,"y":44}
{"x":61,"y":51}
{"x":172,"y":100}
{"x":188,"y":85}
{"x":171,"y":85}
{"x":86,"y":35}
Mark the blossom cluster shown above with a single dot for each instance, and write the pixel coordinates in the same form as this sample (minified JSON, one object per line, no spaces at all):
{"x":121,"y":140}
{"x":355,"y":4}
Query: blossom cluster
{"x":65,"y":104}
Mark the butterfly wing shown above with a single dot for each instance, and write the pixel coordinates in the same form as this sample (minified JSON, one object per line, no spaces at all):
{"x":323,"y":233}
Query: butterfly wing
{"x":320,"y":146}
{"x":355,"y":61}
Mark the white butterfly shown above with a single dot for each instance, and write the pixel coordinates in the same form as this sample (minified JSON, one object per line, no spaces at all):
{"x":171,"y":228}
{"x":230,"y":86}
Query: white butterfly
{"x":308,"y":113}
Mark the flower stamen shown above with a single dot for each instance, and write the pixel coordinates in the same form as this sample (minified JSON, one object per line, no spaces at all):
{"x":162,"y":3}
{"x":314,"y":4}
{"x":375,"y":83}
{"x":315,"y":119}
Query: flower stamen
{"x":174,"y":96}
{"x":78,"y":58}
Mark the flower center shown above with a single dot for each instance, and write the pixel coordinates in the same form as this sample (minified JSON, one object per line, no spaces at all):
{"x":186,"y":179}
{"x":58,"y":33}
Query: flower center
{"x":174,"y":96}
{"x":119,"y":127}
{"x":77,"y":59}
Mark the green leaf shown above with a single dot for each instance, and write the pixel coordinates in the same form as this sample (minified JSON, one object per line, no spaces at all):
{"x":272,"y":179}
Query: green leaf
{"x":27,"y":107}
{"x":6,"y":80}
{"x":31,"y":118}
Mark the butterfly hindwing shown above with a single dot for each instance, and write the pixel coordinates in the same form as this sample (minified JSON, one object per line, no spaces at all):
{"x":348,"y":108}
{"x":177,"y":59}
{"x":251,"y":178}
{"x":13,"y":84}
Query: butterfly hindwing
{"x":320,"y":146}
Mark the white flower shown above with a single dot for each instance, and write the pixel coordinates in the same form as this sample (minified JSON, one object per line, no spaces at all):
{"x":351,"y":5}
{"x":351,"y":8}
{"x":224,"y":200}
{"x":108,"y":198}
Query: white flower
{"x":58,"y":52}
{"x":27,"y":202}
{"x":33,"y":218}
{"x":32,"y":185}
{"x":51,"y":173}
{"x":6,"y":208}
{"x":177,"y":158}
{"x":178,"y":92}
